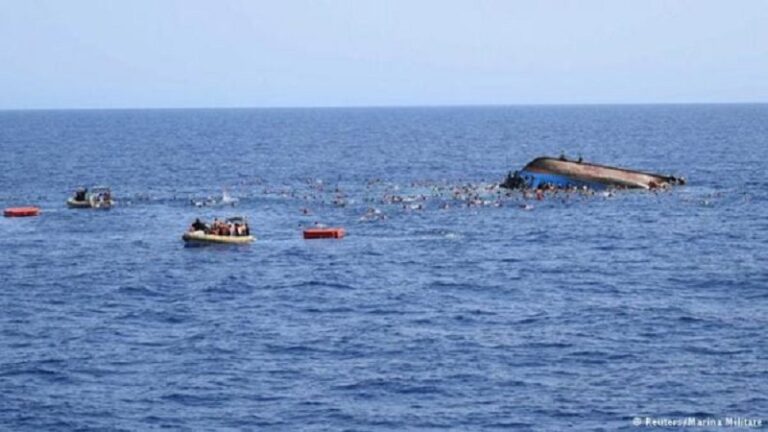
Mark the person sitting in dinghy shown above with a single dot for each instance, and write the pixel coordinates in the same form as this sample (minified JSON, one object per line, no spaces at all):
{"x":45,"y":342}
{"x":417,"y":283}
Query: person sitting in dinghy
{"x":241,"y":229}
{"x":198,"y":225}
{"x":80,"y":194}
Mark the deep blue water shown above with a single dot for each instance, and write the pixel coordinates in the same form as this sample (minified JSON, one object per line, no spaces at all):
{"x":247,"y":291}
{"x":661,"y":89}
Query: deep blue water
{"x":579,"y":313}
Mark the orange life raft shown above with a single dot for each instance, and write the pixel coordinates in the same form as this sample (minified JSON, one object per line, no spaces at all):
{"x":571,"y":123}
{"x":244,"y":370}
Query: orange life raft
{"x":21,"y":211}
{"x":323,"y":233}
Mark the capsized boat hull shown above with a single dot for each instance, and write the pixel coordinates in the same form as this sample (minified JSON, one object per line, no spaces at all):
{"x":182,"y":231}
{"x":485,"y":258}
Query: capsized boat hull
{"x":559,"y":173}
{"x":199,"y":237}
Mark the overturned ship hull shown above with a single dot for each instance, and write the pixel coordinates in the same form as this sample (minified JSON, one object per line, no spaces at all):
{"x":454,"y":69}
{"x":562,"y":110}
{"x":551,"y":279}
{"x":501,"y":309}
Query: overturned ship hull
{"x":562,"y":173}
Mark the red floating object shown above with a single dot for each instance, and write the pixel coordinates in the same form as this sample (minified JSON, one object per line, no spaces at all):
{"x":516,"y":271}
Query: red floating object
{"x":323,"y":233}
{"x":21,"y":211}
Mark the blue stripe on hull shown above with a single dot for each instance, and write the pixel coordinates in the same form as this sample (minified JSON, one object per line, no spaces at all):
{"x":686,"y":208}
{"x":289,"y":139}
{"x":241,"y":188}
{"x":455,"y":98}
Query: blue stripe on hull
{"x":535,"y":179}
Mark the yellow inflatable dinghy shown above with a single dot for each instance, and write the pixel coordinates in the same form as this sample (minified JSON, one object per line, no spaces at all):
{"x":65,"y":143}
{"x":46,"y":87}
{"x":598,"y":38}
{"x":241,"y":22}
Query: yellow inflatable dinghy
{"x":200,"y":237}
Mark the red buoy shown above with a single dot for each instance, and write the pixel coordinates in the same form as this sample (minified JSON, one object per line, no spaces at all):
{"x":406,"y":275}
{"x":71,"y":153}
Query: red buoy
{"x":323,"y":233}
{"x":21,"y":211}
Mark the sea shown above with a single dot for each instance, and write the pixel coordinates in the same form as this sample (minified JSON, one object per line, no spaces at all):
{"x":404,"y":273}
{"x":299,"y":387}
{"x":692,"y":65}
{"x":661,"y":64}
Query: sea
{"x":450,"y":304}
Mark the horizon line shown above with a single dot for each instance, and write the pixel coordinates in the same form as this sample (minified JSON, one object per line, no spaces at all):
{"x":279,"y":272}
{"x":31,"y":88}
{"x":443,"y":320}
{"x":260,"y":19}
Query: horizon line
{"x":297,"y":107}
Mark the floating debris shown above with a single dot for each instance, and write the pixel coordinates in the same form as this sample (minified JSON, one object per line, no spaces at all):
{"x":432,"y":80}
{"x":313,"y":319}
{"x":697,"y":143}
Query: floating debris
{"x":223,"y":201}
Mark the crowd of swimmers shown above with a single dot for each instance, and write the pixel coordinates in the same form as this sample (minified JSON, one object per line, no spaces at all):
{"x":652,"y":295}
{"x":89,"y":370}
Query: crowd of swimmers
{"x":222,"y":228}
{"x":380,"y":198}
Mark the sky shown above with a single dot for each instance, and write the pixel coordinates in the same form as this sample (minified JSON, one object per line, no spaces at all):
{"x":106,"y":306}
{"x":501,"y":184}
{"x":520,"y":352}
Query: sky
{"x":293,"y":53}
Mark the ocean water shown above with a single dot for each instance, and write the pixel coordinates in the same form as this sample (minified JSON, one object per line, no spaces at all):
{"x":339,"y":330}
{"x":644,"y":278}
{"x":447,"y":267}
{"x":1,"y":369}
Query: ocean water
{"x":450,"y":305}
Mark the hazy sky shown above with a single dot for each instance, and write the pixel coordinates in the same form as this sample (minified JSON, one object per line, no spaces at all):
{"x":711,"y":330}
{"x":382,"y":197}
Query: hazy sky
{"x":217,"y":53}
